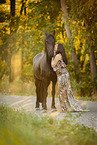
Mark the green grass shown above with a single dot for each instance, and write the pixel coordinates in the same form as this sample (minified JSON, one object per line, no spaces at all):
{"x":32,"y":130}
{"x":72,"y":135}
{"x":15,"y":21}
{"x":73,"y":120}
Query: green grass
{"x":17,"y":87}
{"x":19,"y":128}
{"x":88,"y":98}
{"x":27,"y":88}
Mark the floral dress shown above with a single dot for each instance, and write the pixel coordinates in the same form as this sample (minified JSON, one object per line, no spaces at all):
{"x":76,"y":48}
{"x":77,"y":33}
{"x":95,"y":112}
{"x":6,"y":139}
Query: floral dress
{"x":67,"y":100}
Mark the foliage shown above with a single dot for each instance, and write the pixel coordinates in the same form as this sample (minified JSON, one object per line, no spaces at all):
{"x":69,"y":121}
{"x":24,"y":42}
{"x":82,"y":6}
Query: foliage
{"x":29,"y":38}
{"x":21,"y":128}
{"x":17,"y":87}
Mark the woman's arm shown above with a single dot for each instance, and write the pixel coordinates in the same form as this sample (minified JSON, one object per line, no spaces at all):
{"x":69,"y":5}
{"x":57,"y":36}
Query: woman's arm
{"x":55,"y":60}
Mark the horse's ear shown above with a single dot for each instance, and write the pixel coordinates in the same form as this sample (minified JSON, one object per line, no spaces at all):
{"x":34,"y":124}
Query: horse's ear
{"x":45,"y":33}
{"x":54,"y":32}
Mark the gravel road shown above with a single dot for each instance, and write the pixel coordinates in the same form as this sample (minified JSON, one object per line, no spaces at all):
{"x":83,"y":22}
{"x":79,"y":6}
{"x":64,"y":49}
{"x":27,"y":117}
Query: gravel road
{"x":27,"y":103}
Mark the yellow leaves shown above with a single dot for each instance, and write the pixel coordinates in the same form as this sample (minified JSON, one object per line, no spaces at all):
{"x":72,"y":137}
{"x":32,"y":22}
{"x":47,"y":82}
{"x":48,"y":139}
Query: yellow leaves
{"x":85,"y":62}
{"x":37,"y":24}
{"x":87,"y":57}
{"x":90,"y":18}
{"x":69,"y":52}
{"x":30,"y":55}
{"x":1,"y":42}
{"x":84,"y":41}
{"x":25,"y":42}
{"x":81,"y":58}
{"x":66,"y":40}
{"x":48,"y":17}
{"x":77,"y":42}
{"x":61,"y":41}
{"x":2,"y":64}
{"x":69,"y":20}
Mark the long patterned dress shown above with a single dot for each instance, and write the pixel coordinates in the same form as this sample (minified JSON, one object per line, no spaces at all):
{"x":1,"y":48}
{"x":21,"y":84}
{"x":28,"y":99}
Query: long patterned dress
{"x":67,"y":100}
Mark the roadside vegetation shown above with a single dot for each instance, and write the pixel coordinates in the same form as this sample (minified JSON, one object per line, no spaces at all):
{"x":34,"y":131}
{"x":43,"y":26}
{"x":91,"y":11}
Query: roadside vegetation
{"x":27,"y":88}
{"x":20,"y":128}
{"x":22,"y":33}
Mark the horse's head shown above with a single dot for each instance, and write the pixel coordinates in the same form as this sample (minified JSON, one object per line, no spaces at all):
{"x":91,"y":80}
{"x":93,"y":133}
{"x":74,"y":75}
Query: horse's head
{"x":49,"y":44}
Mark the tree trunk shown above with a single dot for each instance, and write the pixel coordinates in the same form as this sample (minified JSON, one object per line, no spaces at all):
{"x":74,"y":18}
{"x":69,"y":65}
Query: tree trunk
{"x":23,"y":8}
{"x":11,"y":65}
{"x":92,"y":61}
{"x":91,"y":51}
{"x":13,"y":29}
{"x":12,"y":7}
{"x":92,"y":64}
{"x":12,"y":13}
{"x":69,"y":35}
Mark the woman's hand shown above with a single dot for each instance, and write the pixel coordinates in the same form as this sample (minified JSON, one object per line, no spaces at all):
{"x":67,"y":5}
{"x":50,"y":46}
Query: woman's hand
{"x":52,"y":61}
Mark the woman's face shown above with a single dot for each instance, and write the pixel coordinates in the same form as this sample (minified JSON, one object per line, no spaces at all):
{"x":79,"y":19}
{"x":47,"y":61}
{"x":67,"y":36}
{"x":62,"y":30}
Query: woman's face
{"x":55,"y":49}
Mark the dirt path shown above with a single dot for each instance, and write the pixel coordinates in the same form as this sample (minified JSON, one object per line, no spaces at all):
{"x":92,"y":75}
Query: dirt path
{"x":27,"y":103}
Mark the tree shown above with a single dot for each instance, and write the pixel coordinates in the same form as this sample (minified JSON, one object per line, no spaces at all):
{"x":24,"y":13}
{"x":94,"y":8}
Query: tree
{"x":86,"y":11}
{"x":69,"y":35}
{"x":12,"y":45}
{"x":74,"y":23}
{"x":2,"y":1}
{"x":23,"y":8}
{"x":12,"y":30}
{"x":90,"y":20}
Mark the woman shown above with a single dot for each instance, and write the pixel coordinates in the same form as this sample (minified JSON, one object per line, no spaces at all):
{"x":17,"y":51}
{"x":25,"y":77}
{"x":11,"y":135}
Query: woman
{"x":58,"y":63}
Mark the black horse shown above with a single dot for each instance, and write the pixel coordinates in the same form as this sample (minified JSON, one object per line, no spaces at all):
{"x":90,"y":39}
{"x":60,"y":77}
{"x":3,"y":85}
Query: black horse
{"x":43,"y":72}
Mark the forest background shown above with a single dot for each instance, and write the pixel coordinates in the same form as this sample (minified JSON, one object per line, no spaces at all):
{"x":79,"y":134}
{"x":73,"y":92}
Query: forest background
{"x":22,"y":33}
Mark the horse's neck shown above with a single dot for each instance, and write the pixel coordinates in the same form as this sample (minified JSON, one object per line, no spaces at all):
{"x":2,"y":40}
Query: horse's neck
{"x":48,"y":60}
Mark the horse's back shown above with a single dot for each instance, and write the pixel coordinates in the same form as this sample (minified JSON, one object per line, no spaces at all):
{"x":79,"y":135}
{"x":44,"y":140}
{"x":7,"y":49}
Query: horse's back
{"x":37,"y":57}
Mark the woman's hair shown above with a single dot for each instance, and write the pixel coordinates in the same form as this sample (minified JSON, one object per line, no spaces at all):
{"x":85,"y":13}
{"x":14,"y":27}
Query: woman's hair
{"x":61,"y":50}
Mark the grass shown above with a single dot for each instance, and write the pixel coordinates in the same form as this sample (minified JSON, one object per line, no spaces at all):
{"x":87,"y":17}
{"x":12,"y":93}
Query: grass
{"x":93,"y":98}
{"x":27,"y":88}
{"x":19,"y":128}
{"x":17,"y":87}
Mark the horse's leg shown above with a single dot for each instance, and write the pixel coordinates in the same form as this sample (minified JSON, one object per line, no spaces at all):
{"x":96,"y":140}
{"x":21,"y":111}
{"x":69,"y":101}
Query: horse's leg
{"x":45,"y":85}
{"x":38,"y":91}
{"x":53,"y":95}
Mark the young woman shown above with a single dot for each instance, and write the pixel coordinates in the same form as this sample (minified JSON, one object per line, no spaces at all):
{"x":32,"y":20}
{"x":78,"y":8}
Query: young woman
{"x":58,"y":63}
